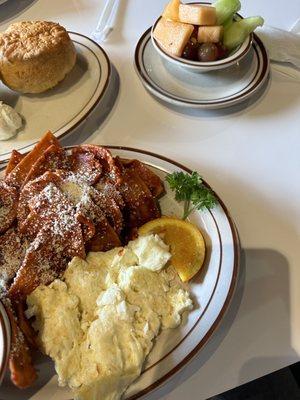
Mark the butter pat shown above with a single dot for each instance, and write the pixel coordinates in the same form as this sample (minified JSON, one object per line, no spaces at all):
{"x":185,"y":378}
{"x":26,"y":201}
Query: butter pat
{"x":151,"y":251}
{"x":172,"y":36}
{"x":10,"y":121}
{"x":197,"y":14}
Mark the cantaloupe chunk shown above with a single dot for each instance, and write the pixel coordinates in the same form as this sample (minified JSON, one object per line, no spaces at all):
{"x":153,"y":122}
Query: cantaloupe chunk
{"x":171,"y":10}
{"x":197,"y":14}
{"x":172,"y":36}
{"x":210,"y":34}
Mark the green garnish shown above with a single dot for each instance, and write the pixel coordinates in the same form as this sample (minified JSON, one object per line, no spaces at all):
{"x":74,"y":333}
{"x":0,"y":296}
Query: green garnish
{"x":190,"y":189}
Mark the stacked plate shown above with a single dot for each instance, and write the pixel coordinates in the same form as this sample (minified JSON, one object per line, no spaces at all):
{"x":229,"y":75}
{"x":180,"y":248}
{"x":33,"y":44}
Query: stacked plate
{"x":210,"y":90}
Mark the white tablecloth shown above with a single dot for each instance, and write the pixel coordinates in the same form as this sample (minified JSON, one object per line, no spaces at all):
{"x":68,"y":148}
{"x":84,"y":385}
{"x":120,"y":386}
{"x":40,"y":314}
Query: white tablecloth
{"x":251,"y":157}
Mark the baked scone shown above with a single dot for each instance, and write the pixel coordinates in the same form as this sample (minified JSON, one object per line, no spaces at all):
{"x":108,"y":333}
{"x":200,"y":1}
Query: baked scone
{"x":35,"y":56}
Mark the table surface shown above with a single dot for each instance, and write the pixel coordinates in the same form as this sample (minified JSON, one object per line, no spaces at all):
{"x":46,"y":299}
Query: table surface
{"x":251,"y":157}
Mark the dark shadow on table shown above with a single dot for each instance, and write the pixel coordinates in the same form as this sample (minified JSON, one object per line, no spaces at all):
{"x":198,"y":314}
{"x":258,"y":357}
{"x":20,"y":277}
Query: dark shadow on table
{"x":13,"y":8}
{"x":279,"y":385}
{"x":274,"y":282}
{"x":212,"y":345}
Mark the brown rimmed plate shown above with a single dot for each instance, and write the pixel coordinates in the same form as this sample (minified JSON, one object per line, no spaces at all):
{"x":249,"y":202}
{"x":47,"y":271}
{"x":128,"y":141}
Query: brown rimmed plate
{"x":76,"y":96}
{"x":211,"y":90}
{"x":211,"y":290}
{"x":4,"y":340}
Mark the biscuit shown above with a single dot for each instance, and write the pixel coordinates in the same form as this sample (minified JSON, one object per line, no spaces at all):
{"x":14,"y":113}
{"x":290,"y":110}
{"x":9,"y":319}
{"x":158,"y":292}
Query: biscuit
{"x":35,"y":56}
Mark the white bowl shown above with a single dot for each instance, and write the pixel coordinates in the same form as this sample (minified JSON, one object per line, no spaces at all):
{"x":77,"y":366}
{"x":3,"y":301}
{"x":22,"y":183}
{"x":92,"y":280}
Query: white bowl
{"x":5,"y":339}
{"x":200,"y":66}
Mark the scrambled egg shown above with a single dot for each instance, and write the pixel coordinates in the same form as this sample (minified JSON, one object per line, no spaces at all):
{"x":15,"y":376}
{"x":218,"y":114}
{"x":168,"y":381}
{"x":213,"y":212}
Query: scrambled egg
{"x":98,"y":323}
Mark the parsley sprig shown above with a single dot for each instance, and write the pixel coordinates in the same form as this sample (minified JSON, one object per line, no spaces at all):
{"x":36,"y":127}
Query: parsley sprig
{"x":190,"y":189}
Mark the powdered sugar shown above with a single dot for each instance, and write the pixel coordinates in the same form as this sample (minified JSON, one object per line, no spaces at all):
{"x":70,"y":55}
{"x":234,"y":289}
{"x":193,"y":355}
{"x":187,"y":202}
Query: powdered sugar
{"x":87,"y":198}
{"x":12,"y":251}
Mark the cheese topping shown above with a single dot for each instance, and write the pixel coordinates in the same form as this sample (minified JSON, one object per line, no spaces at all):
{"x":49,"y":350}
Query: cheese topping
{"x":99,"y":322}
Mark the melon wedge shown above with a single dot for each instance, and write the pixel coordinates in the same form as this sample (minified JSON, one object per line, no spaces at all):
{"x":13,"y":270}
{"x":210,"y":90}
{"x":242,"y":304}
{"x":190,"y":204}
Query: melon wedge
{"x":172,"y":36}
{"x":171,"y":11}
{"x":210,"y":34}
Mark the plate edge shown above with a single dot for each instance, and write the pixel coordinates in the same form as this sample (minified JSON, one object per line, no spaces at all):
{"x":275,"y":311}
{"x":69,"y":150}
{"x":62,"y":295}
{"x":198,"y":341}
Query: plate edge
{"x":236,"y":267}
{"x":68,"y":131}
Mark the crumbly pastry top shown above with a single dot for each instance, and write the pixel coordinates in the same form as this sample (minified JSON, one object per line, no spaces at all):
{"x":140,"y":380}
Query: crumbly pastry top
{"x":28,"y":39}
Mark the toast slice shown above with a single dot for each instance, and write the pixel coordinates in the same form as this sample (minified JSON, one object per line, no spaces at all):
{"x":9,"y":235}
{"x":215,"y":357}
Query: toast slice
{"x":18,"y":175}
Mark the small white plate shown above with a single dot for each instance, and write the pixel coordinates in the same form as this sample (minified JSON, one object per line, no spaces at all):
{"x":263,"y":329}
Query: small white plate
{"x":64,"y":107}
{"x":212,"y":90}
{"x":211,"y":290}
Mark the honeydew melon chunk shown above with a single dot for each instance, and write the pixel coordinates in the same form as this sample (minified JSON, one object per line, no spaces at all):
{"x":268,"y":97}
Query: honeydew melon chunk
{"x":238,"y":31}
{"x":197,"y":14}
{"x":226,"y":9}
{"x":171,"y":10}
{"x":210,"y":34}
{"x":227,"y":24}
{"x":172,"y":36}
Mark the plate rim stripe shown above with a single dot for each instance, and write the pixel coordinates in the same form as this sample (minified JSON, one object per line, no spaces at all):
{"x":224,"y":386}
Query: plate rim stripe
{"x":206,"y":307}
{"x":236,"y":266}
{"x":200,"y":104}
{"x":221,"y":99}
{"x":232,"y":286}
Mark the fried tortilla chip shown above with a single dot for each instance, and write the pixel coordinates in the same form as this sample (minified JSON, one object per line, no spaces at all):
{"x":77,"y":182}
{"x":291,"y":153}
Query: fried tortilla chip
{"x":18,"y":175}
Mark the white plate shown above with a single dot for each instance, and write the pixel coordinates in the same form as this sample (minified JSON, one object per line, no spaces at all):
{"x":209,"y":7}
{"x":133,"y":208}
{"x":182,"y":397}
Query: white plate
{"x":212,"y":90}
{"x":4,"y":340}
{"x":211,"y":290}
{"x":65,"y":106}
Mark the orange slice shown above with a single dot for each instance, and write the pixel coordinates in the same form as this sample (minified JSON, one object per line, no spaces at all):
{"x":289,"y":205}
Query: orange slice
{"x":186,"y":243}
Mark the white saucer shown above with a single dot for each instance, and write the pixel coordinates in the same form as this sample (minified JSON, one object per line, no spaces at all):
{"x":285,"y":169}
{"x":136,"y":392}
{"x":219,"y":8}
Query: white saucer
{"x":212,"y":90}
{"x":63,"y":108}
